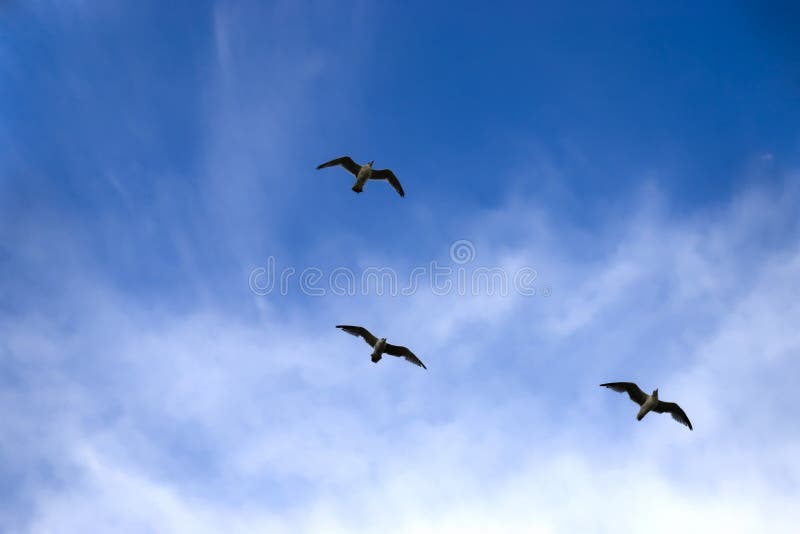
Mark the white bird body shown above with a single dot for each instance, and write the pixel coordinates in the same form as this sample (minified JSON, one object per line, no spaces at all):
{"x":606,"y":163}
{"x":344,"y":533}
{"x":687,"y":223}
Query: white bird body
{"x":649,"y":404}
{"x":378,"y":349}
{"x":364,"y":174}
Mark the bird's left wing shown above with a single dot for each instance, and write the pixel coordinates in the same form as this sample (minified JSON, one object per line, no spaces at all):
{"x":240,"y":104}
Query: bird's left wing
{"x":345,"y":161}
{"x":677,"y":413}
{"x":397,"y":350}
{"x":359,"y":331}
{"x":386,"y":174}
{"x":637,"y":395}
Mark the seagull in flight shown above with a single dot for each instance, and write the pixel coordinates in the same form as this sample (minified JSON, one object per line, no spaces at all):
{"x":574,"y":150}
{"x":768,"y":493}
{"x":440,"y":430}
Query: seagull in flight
{"x":649,"y":402}
{"x":380,"y":346}
{"x":365,"y":172}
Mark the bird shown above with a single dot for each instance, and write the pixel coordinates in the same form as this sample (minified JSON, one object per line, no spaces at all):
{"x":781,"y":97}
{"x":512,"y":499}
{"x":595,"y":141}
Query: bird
{"x":380,"y":346}
{"x":649,"y":402}
{"x":365,"y":172}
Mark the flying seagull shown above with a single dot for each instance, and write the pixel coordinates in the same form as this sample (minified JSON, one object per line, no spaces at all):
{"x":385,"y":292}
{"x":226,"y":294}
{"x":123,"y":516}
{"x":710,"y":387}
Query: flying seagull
{"x":380,"y":346}
{"x":365,"y":172}
{"x":649,"y":402}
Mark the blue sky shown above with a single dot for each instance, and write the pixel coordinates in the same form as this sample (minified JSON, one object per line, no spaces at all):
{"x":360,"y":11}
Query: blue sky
{"x":642,"y":159}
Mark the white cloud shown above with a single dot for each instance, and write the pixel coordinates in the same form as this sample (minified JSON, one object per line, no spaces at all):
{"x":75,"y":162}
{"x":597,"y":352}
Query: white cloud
{"x":209,"y":421}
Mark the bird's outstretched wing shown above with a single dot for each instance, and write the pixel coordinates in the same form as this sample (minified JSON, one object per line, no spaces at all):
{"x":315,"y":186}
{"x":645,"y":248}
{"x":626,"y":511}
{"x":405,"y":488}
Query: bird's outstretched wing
{"x":359,"y":331}
{"x":386,"y":174}
{"x":345,"y":161}
{"x":637,"y":395}
{"x":677,"y":413}
{"x":397,"y":350}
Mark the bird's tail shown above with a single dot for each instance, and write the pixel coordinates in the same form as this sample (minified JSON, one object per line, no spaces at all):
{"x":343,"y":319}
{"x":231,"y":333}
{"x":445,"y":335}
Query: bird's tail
{"x":357,"y":188}
{"x":376,"y":358}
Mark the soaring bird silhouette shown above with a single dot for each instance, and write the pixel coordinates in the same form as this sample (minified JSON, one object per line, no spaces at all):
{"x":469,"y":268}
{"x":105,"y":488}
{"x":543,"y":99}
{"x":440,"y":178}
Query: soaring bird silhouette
{"x":365,"y":172}
{"x":380,"y":346}
{"x":649,"y":403}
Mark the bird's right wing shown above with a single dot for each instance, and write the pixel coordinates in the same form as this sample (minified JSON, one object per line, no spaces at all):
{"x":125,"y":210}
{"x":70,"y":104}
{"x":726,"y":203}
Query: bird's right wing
{"x":405,"y":352}
{"x":345,"y":161}
{"x":359,"y":331}
{"x":386,"y":174}
{"x":637,"y":395}
{"x":675,"y":411}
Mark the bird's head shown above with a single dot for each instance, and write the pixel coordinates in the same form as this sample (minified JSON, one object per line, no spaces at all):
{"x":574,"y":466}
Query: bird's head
{"x":655,"y":393}
{"x":369,"y":164}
